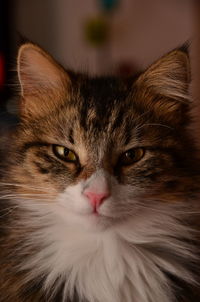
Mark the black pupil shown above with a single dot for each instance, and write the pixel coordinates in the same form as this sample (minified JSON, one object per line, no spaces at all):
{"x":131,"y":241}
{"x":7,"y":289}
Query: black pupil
{"x":66,"y":152}
{"x":130,"y":154}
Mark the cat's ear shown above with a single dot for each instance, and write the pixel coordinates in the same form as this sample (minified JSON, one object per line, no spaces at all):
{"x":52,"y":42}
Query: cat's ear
{"x":166,"y":82}
{"x":169,"y":76}
{"x":37,"y":71}
{"x":40,"y":77}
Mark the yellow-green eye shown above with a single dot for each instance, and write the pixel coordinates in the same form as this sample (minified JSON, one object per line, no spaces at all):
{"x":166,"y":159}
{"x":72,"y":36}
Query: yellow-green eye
{"x":131,"y":156}
{"x":64,"y":153}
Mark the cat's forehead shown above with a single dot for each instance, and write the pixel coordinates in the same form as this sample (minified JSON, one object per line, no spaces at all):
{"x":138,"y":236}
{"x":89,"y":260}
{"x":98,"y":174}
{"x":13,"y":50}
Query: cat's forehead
{"x":103,"y":89}
{"x":100,"y":97}
{"x":98,"y":112}
{"x":102,"y":100}
{"x":99,"y":108}
{"x":93,"y":105}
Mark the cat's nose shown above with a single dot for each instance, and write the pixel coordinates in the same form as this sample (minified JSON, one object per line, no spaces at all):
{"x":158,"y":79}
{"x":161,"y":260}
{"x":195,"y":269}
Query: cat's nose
{"x":96,"y":199}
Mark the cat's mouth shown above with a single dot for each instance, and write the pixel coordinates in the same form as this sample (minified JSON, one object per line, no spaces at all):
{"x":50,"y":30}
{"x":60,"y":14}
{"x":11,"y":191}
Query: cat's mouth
{"x":102,"y":220}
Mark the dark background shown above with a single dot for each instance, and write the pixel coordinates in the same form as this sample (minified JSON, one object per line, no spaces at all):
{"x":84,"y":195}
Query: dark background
{"x":140,"y":31}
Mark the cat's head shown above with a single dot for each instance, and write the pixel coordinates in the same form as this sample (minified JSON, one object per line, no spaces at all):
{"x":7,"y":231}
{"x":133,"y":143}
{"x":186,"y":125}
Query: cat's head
{"x":99,"y":149}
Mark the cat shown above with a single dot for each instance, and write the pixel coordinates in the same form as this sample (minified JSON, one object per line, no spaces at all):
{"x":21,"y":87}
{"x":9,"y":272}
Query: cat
{"x":100,"y":186}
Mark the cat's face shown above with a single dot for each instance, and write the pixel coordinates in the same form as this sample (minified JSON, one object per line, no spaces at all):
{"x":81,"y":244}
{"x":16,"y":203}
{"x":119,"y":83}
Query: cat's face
{"x":99,"y":150}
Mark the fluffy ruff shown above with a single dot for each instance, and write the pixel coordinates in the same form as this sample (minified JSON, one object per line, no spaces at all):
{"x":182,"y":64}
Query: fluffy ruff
{"x":131,"y":261}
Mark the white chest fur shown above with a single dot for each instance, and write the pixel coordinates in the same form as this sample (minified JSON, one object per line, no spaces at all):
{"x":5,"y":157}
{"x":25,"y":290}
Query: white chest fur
{"x":125,"y":263}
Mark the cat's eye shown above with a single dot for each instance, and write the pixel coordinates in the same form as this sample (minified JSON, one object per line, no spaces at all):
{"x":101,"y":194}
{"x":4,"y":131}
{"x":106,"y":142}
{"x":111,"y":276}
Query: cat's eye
{"x":65,"y":154}
{"x":132,"y":156}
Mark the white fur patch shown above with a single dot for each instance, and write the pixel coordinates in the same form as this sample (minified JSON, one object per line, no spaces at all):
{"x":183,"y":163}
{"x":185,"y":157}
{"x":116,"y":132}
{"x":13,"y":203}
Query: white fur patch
{"x":125,"y":262}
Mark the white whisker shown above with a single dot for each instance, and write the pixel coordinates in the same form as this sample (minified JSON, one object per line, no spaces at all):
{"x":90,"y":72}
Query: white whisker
{"x":153,"y":124}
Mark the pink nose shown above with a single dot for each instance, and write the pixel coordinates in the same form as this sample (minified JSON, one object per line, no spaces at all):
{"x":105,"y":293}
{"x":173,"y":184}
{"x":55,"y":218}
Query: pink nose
{"x":96,"y":199}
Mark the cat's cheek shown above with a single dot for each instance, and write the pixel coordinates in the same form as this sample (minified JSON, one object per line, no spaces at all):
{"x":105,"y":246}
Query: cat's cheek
{"x":74,"y":201}
{"x":74,"y":220}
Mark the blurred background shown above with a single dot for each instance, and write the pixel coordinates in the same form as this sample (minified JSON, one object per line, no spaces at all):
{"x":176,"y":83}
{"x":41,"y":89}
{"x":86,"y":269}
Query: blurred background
{"x":97,"y":36}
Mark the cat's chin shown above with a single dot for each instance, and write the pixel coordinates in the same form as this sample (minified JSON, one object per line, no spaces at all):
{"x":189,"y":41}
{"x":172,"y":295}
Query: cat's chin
{"x":92,"y":222}
{"x":88,"y":221}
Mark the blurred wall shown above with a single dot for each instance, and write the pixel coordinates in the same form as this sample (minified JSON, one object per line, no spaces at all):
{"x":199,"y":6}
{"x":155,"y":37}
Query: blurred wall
{"x":141,"y":30}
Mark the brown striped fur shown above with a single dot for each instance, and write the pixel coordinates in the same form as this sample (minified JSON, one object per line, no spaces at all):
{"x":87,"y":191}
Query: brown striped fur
{"x":99,"y":119}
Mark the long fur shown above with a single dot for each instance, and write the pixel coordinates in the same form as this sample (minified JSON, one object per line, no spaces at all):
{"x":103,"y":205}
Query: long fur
{"x":143,"y":244}
{"x":129,"y":262}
